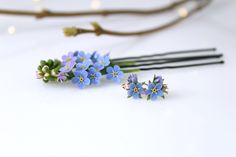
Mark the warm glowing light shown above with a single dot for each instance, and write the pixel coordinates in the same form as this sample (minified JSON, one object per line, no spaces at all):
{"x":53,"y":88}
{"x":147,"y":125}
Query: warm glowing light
{"x":183,"y":12}
{"x":38,"y":5}
{"x":36,"y":1}
{"x":95,"y":4}
{"x":38,"y":8}
{"x":11,"y":30}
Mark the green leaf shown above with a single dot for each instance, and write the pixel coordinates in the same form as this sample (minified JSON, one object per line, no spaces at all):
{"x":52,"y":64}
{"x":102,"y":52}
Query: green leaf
{"x":148,"y":97}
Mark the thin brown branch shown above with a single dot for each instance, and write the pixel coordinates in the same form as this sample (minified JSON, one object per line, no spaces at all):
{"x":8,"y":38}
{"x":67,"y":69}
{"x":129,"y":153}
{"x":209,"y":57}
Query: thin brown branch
{"x":98,"y":30}
{"x":48,"y":13}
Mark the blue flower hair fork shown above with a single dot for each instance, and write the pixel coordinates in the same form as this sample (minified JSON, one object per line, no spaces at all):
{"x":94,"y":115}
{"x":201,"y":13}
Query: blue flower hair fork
{"x":84,"y":69}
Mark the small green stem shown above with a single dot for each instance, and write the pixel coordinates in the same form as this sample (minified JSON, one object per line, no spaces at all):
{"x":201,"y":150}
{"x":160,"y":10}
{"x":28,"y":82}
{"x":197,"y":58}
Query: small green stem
{"x":131,"y":70}
{"x":122,"y":63}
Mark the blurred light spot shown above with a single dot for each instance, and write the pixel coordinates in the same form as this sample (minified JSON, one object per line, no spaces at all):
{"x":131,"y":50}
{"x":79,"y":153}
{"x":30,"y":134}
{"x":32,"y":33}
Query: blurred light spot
{"x":36,"y":1}
{"x":38,"y":8}
{"x":11,"y":30}
{"x":183,"y":12}
{"x":95,"y":4}
{"x":38,"y":5}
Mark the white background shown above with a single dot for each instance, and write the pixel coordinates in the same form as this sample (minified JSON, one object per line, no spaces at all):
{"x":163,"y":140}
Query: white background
{"x":196,"y":119}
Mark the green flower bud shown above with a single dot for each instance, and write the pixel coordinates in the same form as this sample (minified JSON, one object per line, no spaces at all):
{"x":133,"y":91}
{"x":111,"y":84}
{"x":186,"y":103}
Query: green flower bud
{"x":43,"y":62}
{"x":70,"y":31}
{"x":45,"y":69}
{"x":39,"y":68}
{"x":48,"y":70}
{"x":50,"y":62}
{"x":46,"y":75}
{"x":53,"y":73}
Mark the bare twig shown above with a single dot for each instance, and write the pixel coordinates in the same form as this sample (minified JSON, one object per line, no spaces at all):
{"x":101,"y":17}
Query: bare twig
{"x":98,"y":30}
{"x":48,"y":13}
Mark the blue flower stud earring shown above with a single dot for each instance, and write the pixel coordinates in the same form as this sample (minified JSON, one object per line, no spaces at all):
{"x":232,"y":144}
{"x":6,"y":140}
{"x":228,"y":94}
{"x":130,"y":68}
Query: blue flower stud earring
{"x":153,"y":90}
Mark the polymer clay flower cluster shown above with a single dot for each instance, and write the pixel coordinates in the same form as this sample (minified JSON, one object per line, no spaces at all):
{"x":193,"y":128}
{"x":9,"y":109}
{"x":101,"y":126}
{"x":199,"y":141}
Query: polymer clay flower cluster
{"x":154,"y":89}
{"x":81,"y":68}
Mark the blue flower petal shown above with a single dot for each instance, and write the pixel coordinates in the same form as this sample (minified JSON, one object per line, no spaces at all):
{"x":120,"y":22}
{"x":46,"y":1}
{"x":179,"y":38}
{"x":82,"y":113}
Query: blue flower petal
{"x":158,"y":86}
{"x":116,"y":79}
{"x":136,"y":95}
{"x":130,"y":92}
{"x":81,"y":85}
{"x":153,"y":97}
{"x":84,"y":73}
{"x":151,"y":85}
{"x":160,"y":93}
{"x":109,"y":70}
{"x":92,"y":70}
{"x":109,"y":76}
{"x":139,"y":85}
{"x":120,"y":73}
{"x":75,"y":80}
{"x":116,"y":68}
{"x":86,"y":81}
{"x":96,"y":81}
{"x":98,"y":66}
{"x":132,"y":85}
{"x":99,"y":74}
{"x":148,"y":92}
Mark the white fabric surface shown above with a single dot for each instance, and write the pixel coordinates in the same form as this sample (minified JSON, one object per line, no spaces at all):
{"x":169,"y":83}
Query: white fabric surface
{"x":196,"y":119}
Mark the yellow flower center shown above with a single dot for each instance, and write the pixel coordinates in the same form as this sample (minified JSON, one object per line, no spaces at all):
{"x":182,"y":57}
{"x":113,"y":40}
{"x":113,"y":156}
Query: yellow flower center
{"x":114,"y":74}
{"x":135,"y":89}
{"x":81,"y":79}
{"x":68,"y":59}
{"x":154,"y":90}
{"x":67,"y":67}
{"x":93,"y":76}
{"x":82,"y":58}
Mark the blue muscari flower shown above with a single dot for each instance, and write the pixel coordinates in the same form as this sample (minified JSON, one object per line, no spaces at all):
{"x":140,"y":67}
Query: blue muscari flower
{"x":154,"y":90}
{"x":133,"y":78}
{"x":114,"y":74}
{"x":94,"y":76}
{"x":81,"y":79}
{"x":158,"y":79}
{"x":61,"y":77}
{"x":135,"y":90}
{"x":67,"y":67}
{"x":69,"y":58}
{"x":82,"y":56}
{"x":83,"y":65}
{"x":95,"y":56}
{"x":102,"y":62}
